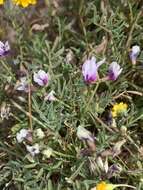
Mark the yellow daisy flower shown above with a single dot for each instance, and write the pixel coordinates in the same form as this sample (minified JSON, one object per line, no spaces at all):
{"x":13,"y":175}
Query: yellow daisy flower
{"x":1,"y":2}
{"x":119,"y":108}
{"x":25,"y":3}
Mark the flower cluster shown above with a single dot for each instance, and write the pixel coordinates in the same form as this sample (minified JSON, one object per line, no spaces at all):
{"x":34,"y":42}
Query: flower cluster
{"x":23,"y":3}
{"x":1,"y":2}
{"x":27,"y":137}
{"x":23,"y":134}
{"x":119,"y":108}
{"x":90,"y":70}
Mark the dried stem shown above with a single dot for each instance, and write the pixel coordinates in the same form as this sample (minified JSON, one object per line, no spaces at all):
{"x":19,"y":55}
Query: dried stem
{"x":30,"y":106}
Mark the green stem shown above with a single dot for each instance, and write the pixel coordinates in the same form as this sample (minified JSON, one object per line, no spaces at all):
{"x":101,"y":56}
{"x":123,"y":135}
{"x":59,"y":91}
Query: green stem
{"x":66,"y":105}
{"x":135,"y":120}
{"x":73,"y":176}
{"x":6,"y":68}
{"x":132,"y":28}
{"x":92,"y":96}
{"x":27,"y":113}
{"x":63,"y":155}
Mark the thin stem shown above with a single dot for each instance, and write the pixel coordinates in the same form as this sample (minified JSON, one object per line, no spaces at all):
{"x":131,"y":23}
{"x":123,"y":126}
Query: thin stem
{"x":129,"y":92}
{"x":133,"y":27}
{"x":63,"y":103}
{"x":102,"y":123}
{"x":132,"y":141}
{"x":92,"y":96}
{"x":29,"y":106}
{"x":125,"y":185}
{"x":28,"y":114}
{"x":6,"y":68}
{"x":73,"y":176}
{"x":63,"y":155}
{"x":135,"y":120}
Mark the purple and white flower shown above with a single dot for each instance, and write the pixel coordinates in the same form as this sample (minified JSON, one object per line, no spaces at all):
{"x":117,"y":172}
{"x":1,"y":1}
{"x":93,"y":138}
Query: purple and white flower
{"x":90,"y":70}
{"x":84,"y":134}
{"x":51,"y":96}
{"x":102,"y":165}
{"x":41,"y":78}
{"x":114,"y":71}
{"x":4,"y":48}
{"x":23,"y":134}
{"x":134,"y":53}
{"x":33,"y":150}
{"x":22,"y":85}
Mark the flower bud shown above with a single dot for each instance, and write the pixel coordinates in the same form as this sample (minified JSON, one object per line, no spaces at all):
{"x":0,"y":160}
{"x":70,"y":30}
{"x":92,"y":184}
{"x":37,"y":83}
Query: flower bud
{"x":123,"y":130}
{"x":47,"y":152}
{"x":39,"y":133}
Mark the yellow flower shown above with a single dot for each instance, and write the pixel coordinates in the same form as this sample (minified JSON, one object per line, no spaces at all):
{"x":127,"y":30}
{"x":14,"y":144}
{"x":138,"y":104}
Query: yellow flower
{"x":1,"y":2}
{"x":119,"y":108}
{"x":108,"y":186}
{"x":104,"y":186}
{"x":25,"y":3}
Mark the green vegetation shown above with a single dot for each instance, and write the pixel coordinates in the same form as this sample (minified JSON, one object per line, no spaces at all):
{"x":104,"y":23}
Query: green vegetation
{"x":58,"y":37}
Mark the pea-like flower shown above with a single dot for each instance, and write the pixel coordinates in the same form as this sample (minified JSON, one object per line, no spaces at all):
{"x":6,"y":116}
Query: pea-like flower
{"x":25,"y":3}
{"x":4,"y":48}
{"x":114,"y":71}
{"x":51,"y":96}
{"x":22,"y":85}
{"x":41,"y":78}
{"x":90,"y":70}
{"x":84,"y":134}
{"x":102,"y":165}
{"x":134,"y":53}
{"x":33,"y":150}
{"x":23,"y":134}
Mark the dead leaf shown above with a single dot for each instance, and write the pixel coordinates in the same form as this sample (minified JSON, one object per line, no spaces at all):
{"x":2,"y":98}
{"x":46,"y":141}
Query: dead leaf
{"x":91,"y":145}
{"x":117,"y":147}
{"x":102,"y":46}
{"x":39,"y":27}
{"x":106,"y":153}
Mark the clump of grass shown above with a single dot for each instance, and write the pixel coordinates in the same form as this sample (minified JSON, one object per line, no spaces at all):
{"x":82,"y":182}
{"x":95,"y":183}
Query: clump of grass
{"x":74,"y":32}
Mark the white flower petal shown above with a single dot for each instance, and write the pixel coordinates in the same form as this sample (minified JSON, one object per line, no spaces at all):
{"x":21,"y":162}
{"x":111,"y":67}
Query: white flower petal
{"x":7,"y":46}
{"x":84,"y":134}
{"x":136,"y":49}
